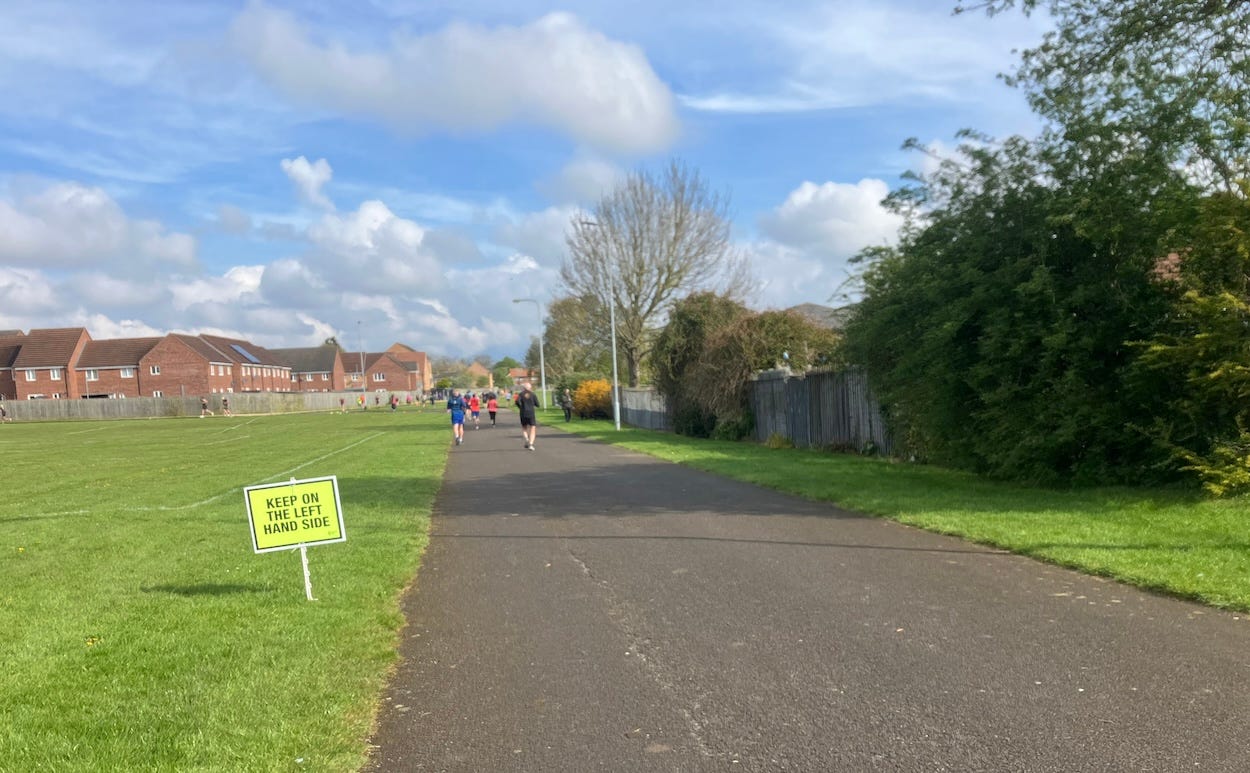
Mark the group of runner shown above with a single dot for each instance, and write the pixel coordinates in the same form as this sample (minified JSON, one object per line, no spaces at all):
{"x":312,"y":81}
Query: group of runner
{"x":470,"y":406}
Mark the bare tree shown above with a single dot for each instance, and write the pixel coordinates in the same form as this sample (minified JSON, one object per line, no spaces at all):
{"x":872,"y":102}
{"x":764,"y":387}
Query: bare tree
{"x":647,"y":243}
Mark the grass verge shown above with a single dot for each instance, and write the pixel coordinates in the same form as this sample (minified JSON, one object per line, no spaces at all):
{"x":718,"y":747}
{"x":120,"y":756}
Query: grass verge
{"x":140,"y":631}
{"x":1168,"y":541}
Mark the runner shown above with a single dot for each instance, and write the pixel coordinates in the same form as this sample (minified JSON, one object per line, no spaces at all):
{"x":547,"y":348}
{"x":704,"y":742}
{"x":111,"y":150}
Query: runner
{"x":527,"y":402}
{"x":475,"y":408}
{"x":456,"y":407}
{"x":492,"y":406}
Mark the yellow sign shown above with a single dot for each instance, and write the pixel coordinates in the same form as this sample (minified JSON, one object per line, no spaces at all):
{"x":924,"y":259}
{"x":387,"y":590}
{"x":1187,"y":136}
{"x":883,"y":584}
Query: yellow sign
{"x":299,"y":512}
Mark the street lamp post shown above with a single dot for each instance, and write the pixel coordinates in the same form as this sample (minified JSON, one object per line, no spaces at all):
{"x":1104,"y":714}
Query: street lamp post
{"x":360,"y":334}
{"x":616,"y":388}
{"x":542,"y":362}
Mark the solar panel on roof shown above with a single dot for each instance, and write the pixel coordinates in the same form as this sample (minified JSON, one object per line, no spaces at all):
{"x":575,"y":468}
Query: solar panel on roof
{"x":246,"y":354}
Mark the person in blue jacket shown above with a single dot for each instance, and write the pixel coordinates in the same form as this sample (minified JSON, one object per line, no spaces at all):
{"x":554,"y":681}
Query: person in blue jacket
{"x":456,"y":406}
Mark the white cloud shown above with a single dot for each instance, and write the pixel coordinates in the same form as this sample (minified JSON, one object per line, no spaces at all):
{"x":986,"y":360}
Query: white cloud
{"x":237,"y":284}
{"x":374,"y":250}
{"x":309,"y":179}
{"x":584,"y":181}
{"x":103,"y":327}
{"x":787,"y":277}
{"x":553,"y":72}
{"x":858,"y":53}
{"x":68,"y":224}
{"x":538,"y":234}
{"x":25,"y":297}
{"x":834,"y":220}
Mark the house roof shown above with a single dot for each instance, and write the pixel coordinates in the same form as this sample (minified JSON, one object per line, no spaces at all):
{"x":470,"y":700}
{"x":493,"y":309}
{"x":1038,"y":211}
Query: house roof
{"x":115,"y":353}
{"x":518,"y":372}
{"x":351,"y":361}
{"x":49,"y":347}
{"x":202,"y":348}
{"x":308,"y":359}
{"x":243,"y":352}
{"x":10,"y":345}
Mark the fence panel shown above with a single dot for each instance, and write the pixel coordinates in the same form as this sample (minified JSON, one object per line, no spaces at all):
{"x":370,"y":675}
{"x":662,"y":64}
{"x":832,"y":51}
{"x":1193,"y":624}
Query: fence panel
{"x":644,"y":408}
{"x":821,"y":409}
{"x":168,"y":407}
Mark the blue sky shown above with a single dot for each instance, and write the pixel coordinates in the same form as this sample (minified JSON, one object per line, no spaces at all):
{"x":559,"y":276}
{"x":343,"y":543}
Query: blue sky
{"x":400,"y":170}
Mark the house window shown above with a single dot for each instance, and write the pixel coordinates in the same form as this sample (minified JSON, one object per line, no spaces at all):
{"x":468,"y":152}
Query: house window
{"x":55,"y":374}
{"x":30,"y":375}
{"x":93,"y":374}
{"x":325,"y":376}
{"x":155,"y":370}
{"x":379,"y":377}
{"x":157,"y":393}
{"x":128,"y":372}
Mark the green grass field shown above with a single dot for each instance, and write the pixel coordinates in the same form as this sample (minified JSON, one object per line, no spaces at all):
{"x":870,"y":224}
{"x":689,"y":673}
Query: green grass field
{"x":139,"y":631}
{"x":1177,"y":543}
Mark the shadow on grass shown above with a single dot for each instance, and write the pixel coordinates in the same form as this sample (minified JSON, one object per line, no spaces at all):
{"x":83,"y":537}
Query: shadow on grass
{"x":207,"y":589}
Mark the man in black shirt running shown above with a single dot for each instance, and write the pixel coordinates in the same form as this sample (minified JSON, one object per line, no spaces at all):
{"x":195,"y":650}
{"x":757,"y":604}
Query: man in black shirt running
{"x":527,"y":402}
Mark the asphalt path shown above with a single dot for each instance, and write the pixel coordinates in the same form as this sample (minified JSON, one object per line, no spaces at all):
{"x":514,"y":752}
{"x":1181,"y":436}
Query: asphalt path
{"x":581,"y":607}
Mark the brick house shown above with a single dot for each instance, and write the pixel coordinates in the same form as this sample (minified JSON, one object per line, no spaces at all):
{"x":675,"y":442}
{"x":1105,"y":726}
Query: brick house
{"x":520,"y":375}
{"x":182,"y":365}
{"x":354,"y":367}
{"x":10,"y":345}
{"x":45,"y":363}
{"x":314,"y":368}
{"x":255,"y":369}
{"x":385,"y":372}
{"x":111,"y":368}
{"x":419,"y":363}
{"x":476,"y":372}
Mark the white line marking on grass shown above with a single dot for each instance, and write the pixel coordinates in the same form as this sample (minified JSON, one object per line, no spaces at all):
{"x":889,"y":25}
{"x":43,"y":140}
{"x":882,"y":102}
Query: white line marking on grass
{"x":237,"y":489}
{"x":228,"y":440}
{"x":322,"y":457}
{"x":85,"y":431}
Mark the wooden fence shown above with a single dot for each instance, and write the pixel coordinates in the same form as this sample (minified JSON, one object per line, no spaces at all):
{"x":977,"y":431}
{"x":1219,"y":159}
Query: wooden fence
{"x":821,"y":409}
{"x":154,"y":407}
{"x":644,"y":408}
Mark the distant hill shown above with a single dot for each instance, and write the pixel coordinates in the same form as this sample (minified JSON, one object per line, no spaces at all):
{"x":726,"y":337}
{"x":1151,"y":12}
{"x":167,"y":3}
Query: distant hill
{"x":824,"y":316}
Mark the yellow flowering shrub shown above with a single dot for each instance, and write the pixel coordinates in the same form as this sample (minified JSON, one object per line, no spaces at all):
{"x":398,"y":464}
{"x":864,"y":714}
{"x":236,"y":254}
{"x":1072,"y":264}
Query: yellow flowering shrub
{"x":593,"y":399}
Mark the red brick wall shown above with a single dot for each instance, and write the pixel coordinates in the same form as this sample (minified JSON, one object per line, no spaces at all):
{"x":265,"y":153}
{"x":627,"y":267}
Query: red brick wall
{"x":183,"y":371}
{"x":110,"y":382}
{"x":43,"y":384}
{"x":8,"y":389}
{"x":264,"y":378}
{"x":396,"y":377}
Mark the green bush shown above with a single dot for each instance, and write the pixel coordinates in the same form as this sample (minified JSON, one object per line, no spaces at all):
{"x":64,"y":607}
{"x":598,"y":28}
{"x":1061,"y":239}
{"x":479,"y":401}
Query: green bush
{"x":735,"y":429}
{"x":693,"y":421}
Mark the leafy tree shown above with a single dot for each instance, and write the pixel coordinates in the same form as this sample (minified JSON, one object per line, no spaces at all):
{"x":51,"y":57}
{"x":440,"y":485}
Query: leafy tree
{"x":646,"y":243}
{"x":680,"y":345}
{"x":1129,"y":76}
{"x":1199,"y":360}
{"x":332,"y":341}
{"x":575,"y":339}
{"x":997,"y":331}
{"x":500,"y":370}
